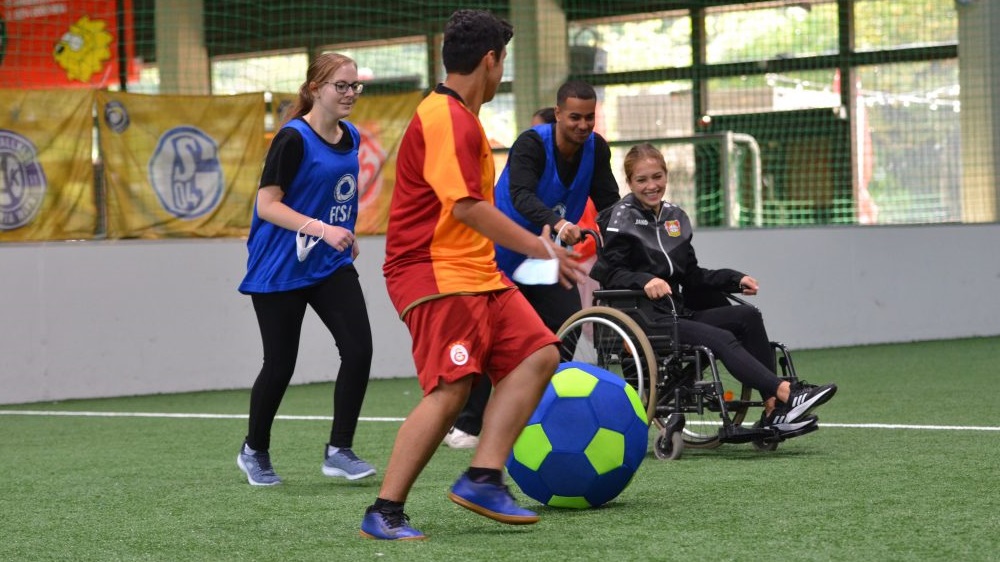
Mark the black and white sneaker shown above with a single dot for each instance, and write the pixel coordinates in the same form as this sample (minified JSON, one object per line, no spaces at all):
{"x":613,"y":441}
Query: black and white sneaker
{"x":778,"y":420}
{"x":805,"y":399}
{"x":800,"y":384}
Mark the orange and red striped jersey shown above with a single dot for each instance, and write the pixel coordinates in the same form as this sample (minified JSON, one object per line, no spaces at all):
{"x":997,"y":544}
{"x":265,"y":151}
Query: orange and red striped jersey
{"x":444,"y":156}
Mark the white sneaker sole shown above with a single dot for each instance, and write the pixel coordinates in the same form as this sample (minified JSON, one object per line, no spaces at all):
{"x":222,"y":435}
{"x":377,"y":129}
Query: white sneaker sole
{"x":338,"y":473}
{"x":794,"y":426}
{"x":464,"y":442}
{"x":239,"y":463}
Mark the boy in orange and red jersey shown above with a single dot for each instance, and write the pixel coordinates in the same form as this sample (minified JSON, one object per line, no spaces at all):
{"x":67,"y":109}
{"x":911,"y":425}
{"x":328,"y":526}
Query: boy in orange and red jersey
{"x":466,"y":318}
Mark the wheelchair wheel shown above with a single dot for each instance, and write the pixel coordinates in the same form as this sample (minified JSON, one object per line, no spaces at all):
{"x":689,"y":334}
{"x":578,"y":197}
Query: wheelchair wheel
{"x":609,"y":339}
{"x":702,"y":428}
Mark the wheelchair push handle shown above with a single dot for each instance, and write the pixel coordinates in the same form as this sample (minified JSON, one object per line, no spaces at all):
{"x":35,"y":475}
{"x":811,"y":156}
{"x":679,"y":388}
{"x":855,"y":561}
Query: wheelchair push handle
{"x":585,"y":232}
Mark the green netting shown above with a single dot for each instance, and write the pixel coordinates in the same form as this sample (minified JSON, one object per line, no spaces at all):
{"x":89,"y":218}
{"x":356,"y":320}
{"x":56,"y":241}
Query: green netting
{"x":770,"y":113}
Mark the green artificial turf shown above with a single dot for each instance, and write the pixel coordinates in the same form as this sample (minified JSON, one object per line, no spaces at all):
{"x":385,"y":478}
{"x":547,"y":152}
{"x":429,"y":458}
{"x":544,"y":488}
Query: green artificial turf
{"x":153,"y":488}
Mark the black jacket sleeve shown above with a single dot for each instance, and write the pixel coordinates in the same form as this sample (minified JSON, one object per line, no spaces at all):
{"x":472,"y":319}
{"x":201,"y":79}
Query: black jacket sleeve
{"x":617,"y":273}
{"x":615,"y":267}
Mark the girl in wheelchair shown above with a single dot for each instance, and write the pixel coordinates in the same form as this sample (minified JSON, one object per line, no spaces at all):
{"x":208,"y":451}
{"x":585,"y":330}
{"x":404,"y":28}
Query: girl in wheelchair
{"x":647,"y":246}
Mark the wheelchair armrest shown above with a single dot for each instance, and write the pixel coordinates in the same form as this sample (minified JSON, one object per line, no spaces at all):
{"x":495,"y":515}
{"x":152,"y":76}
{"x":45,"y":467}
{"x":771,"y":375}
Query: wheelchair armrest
{"x":631,"y":297}
{"x":737,"y":300}
{"x":613,"y":294}
{"x":636,"y":304}
{"x":704,"y":299}
{"x":620,"y":298}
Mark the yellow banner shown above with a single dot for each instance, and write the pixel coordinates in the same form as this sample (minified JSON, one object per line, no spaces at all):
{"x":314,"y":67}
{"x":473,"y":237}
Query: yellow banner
{"x":46,"y":165}
{"x":180,"y":166}
{"x":382,"y":120}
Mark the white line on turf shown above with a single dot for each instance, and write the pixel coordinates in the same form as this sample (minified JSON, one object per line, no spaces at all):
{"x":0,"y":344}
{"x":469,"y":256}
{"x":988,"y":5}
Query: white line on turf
{"x":387,"y":419}
{"x":168,"y":415}
{"x":882,"y":426}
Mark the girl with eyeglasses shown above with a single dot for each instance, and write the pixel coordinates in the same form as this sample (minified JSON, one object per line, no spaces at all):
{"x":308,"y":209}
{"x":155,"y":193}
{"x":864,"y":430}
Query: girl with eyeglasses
{"x":301,"y":253}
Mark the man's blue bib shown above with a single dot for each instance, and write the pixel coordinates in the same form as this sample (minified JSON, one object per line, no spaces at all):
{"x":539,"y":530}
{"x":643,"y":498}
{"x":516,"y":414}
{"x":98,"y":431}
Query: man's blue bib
{"x":567,"y":202}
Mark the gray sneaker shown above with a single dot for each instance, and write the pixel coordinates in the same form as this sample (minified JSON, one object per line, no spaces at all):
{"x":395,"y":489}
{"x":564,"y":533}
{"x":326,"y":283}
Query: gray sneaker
{"x":257,"y":466}
{"x":345,"y":464}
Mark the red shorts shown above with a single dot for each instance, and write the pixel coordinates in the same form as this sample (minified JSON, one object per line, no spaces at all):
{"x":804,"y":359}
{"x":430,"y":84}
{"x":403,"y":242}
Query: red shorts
{"x":461,"y":335}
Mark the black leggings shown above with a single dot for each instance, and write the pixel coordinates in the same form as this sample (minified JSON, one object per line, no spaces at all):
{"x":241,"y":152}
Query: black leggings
{"x":340,"y":304}
{"x":736,"y":335}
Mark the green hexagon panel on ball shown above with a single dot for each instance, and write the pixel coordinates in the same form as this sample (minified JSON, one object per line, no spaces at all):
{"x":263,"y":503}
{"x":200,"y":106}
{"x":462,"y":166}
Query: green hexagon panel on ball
{"x":584,"y":442}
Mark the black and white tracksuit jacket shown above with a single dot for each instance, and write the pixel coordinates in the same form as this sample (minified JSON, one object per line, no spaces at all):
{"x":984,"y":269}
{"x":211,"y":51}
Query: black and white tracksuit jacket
{"x":640,"y":245}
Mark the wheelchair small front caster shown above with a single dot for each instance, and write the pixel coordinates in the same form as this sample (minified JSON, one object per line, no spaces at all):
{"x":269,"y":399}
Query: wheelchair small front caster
{"x":771,"y":443}
{"x":669,"y":444}
{"x":765,"y":445}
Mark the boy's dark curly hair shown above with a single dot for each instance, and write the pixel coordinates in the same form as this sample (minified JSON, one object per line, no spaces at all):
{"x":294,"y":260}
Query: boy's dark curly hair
{"x":469,"y":35}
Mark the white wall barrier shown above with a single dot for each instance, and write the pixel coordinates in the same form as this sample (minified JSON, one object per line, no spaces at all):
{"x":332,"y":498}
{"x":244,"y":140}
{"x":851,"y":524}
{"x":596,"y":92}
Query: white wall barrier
{"x":92,"y":319}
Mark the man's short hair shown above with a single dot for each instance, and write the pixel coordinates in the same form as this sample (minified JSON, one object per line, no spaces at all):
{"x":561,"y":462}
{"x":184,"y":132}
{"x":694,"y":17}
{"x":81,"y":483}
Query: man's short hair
{"x":575,"y":89}
{"x":469,"y":35}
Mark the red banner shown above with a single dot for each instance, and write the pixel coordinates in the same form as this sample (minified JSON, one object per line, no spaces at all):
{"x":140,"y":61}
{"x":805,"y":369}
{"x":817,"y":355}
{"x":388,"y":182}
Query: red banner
{"x":64,"y":43}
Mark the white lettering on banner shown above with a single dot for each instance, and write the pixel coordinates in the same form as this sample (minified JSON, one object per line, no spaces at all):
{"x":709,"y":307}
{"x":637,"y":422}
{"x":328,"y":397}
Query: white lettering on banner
{"x":29,"y":9}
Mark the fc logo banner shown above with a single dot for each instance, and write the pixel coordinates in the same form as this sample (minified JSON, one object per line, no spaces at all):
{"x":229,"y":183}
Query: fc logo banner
{"x":22,"y":181}
{"x":185,"y":172}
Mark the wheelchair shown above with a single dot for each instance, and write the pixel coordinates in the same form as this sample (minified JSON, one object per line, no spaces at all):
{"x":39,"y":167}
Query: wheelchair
{"x":681,"y":386}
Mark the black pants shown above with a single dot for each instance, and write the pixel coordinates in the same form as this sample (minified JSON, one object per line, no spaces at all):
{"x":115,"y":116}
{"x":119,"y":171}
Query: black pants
{"x":340,"y":304}
{"x":470,"y":419}
{"x":736,"y":335}
{"x":554,"y":304}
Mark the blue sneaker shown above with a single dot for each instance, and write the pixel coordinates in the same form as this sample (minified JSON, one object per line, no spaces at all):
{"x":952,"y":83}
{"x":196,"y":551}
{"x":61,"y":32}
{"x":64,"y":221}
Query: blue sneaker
{"x":490,"y":500}
{"x":393,"y":526}
{"x":257,"y":466}
{"x":345,"y":464}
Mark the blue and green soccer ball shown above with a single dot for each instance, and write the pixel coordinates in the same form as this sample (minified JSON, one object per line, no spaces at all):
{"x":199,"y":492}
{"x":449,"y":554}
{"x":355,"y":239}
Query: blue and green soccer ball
{"x":584,"y":442}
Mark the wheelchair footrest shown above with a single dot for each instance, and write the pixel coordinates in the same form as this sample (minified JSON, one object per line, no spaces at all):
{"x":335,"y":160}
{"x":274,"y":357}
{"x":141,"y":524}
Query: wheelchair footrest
{"x":739,"y":434}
